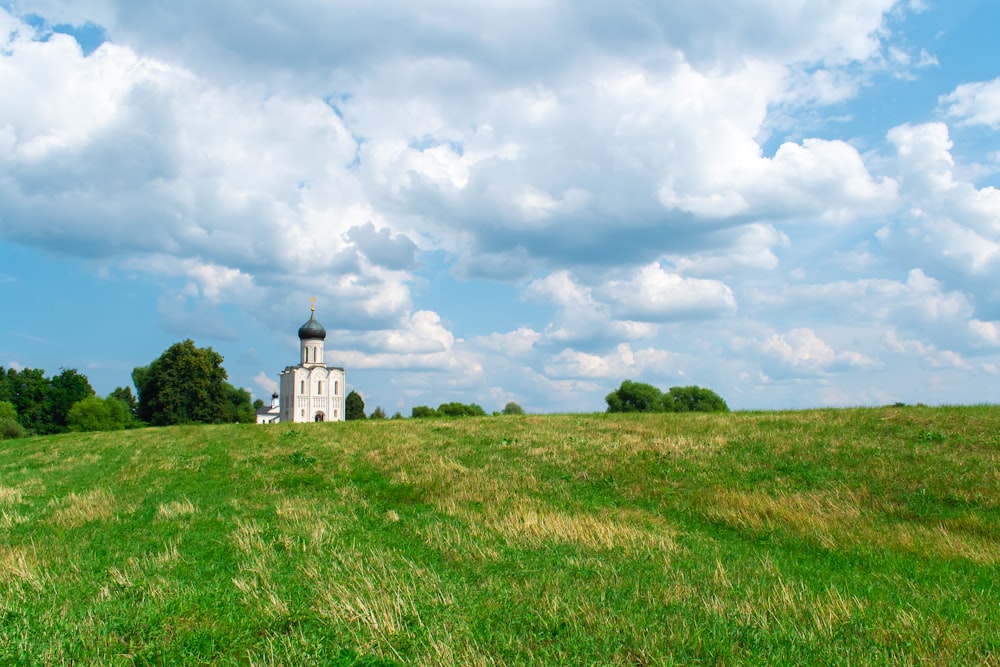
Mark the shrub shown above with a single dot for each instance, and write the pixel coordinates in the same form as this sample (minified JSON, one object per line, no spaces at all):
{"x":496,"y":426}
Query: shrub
{"x":10,"y":428}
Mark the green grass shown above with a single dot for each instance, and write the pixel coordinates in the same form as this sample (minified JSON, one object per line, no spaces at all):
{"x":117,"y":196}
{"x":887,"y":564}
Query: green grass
{"x":854,"y":537}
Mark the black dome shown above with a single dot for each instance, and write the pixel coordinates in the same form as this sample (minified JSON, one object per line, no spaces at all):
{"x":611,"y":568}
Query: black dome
{"x":312,"y":329}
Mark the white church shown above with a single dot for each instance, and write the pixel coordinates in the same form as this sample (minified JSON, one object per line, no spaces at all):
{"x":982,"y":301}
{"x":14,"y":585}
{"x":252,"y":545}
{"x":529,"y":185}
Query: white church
{"x":310,"y":391}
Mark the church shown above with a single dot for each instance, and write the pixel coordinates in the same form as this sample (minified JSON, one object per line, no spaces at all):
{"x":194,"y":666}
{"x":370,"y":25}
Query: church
{"x":310,"y":391}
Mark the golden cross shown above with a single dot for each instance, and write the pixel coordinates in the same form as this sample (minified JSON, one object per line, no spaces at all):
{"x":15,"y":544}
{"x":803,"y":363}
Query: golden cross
{"x":313,"y":304}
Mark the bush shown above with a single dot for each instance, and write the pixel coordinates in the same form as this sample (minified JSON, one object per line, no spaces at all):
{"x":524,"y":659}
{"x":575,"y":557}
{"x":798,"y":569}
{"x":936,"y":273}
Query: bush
{"x":461,"y":410}
{"x":10,"y":428}
{"x":513,"y":408}
{"x":693,"y":399}
{"x":635,"y":397}
{"x":99,"y":414}
{"x":642,"y":397}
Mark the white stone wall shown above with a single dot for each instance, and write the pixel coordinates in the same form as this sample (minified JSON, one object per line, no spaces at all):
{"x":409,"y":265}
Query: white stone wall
{"x":308,"y":391}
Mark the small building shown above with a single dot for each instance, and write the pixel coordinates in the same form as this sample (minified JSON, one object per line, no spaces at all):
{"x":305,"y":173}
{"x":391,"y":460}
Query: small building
{"x":311,"y":391}
{"x":269,"y":414}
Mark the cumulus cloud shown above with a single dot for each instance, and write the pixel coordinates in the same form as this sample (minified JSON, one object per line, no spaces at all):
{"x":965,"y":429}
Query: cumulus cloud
{"x":653,"y":294}
{"x":802,"y":353}
{"x":265,"y":382}
{"x":381,"y":247}
{"x":975,"y":103}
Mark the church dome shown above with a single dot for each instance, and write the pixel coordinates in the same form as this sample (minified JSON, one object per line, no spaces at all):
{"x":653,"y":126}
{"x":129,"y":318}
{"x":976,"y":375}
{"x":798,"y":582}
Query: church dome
{"x":312,"y":329}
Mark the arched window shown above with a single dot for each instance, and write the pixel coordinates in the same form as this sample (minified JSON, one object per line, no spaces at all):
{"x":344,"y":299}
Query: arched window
{"x":336,"y":388}
{"x":319,"y":387}
{"x":302,"y":386}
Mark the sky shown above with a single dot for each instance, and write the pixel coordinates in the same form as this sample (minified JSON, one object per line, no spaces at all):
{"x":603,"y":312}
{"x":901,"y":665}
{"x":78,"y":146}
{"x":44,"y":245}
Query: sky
{"x":793,"y":203}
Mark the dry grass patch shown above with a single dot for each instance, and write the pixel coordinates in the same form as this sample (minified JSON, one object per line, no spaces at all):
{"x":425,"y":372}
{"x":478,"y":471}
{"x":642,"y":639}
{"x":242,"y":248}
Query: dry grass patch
{"x":818,"y":515}
{"x":836,"y":519}
{"x":378,"y":595}
{"x":176,"y":509}
{"x":533,"y":524}
{"x":10,"y":495}
{"x":75,"y":510}
{"x":255,"y":581}
{"x":19,"y":568}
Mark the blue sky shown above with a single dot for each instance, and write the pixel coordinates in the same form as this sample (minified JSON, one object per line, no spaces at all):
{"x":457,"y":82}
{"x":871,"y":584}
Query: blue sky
{"x":794,"y":204}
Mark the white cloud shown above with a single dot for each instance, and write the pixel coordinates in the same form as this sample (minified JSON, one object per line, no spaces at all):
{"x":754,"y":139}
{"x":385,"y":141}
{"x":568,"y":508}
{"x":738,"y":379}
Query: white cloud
{"x":975,"y":103}
{"x":264,"y":381}
{"x":801,"y":353}
{"x":926,"y":352}
{"x":652,"y":294}
{"x":620,"y":363}
{"x":985,"y":333}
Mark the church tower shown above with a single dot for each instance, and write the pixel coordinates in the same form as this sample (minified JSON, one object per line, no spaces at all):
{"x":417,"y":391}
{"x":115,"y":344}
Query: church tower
{"x":311,"y":391}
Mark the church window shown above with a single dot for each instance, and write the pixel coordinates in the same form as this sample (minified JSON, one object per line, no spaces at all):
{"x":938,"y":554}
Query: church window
{"x":336,"y":387}
{"x":302,"y":386}
{"x":319,"y":387}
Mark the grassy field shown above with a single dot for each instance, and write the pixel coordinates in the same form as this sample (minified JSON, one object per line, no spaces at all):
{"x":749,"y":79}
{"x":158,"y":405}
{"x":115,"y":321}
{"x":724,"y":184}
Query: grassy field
{"x":861,"y":537}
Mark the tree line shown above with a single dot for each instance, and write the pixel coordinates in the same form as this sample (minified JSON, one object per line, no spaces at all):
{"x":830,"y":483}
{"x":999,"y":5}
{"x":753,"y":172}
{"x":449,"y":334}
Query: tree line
{"x":186,"y":384}
{"x":354,"y":408}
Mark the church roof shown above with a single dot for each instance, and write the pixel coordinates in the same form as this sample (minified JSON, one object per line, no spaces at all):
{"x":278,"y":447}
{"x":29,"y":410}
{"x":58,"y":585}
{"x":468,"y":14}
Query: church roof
{"x":312,"y":328}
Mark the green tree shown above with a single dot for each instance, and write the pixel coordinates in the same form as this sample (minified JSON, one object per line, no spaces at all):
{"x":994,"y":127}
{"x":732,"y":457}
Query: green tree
{"x":635,"y":397}
{"x":378,"y":413}
{"x":125,"y":395}
{"x":185,"y":384}
{"x":423,"y":411}
{"x":693,"y":399}
{"x":460,"y":410}
{"x":66,"y":390}
{"x":354,"y":406}
{"x":513,"y":408}
{"x":5,"y":390}
{"x":99,"y":414}
{"x":29,"y":392}
{"x":239,"y":409}
{"x":10,"y":428}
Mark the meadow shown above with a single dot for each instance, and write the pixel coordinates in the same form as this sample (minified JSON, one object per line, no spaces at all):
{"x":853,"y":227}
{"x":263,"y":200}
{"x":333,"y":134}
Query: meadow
{"x":836,"y":537}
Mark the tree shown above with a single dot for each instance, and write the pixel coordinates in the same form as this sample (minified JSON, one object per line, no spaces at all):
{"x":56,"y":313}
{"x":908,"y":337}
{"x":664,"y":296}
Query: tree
{"x":379,"y":413}
{"x":423,"y":411}
{"x":5,"y":390}
{"x":635,"y":397}
{"x":29,"y":392}
{"x":99,"y":414}
{"x":693,"y":399}
{"x":513,"y":408}
{"x":460,"y":410}
{"x":10,"y":428}
{"x":125,"y":395}
{"x":354,"y":406}
{"x":185,"y":384}
{"x":239,"y":409}
{"x":66,"y":390}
